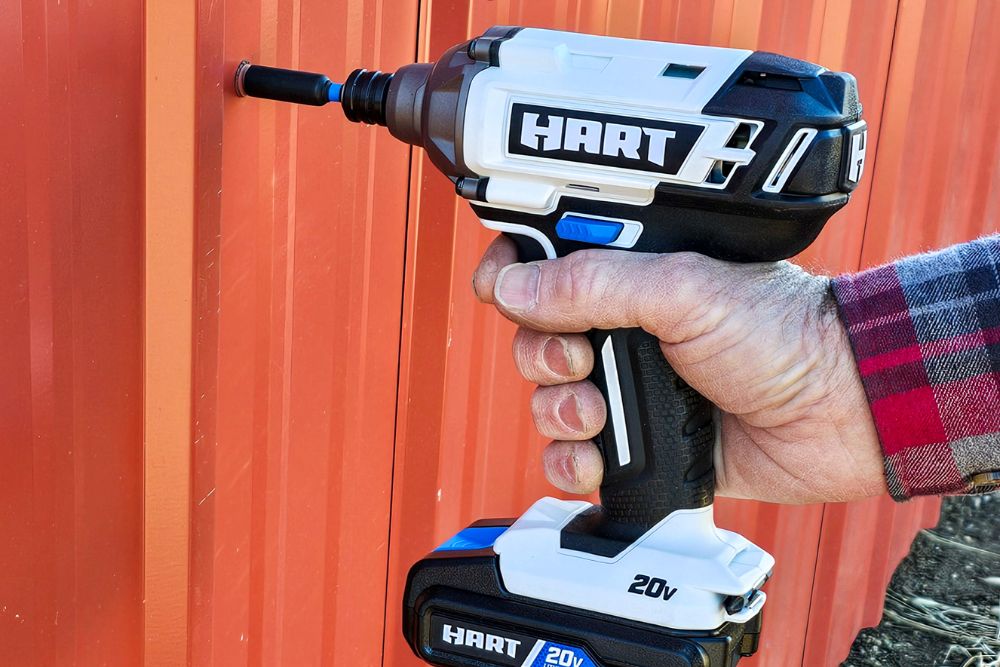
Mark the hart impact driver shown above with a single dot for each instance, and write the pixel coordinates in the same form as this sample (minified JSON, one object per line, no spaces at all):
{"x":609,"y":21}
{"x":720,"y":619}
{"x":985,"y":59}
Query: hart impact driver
{"x":566,"y":141}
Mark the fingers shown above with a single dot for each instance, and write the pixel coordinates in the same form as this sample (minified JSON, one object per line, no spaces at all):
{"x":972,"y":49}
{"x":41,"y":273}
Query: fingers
{"x":548,"y":359}
{"x":568,"y":411}
{"x":605,"y":289}
{"x":499,"y":254}
{"x":574,"y":467}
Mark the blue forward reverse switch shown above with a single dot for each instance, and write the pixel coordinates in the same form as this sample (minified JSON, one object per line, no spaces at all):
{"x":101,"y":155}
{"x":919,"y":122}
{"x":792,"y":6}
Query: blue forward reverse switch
{"x":588,"y":230}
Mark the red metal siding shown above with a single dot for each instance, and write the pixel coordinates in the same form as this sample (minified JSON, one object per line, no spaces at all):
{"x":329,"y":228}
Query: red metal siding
{"x":71,"y":333}
{"x":300,"y":221}
{"x":351,"y":405}
{"x":937,"y":181}
{"x":934,"y":182}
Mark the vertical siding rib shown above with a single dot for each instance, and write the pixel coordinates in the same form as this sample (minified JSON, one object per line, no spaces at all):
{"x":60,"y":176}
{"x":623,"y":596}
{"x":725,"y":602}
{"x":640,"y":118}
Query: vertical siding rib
{"x":169,"y":220}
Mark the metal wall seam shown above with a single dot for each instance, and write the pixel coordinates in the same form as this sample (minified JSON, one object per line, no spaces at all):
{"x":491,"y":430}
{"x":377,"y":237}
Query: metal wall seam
{"x":169,"y":169}
{"x":412,"y":195}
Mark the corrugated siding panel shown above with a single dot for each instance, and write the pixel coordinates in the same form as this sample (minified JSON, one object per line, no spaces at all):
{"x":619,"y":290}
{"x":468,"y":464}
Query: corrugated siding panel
{"x":299,"y":304}
{"x":936,"y":181}
{"x":299,"y":252}
{"x":466,"y":446}
{"x":71,"y":333}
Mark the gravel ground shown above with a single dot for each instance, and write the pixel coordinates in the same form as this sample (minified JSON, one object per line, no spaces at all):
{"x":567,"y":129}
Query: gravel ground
{"x":943,"y":603}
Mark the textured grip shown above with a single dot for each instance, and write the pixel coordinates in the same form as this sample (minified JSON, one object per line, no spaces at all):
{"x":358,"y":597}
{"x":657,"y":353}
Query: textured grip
{"x":659,"y":436}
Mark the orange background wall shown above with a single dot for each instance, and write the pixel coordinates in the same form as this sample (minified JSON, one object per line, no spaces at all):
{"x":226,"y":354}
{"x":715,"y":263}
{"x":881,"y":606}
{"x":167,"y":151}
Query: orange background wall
{"x":245,"y":381}
{"x":71,"y":331}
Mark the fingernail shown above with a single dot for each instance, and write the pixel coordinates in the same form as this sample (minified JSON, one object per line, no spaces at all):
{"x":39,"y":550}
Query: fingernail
{"x":555,"y":356}
{"x":569,"y":413}
{"x":517,"y":286}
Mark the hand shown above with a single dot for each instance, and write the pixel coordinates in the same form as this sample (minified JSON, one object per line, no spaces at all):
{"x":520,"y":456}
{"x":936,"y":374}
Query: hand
{"x":763,"y":342}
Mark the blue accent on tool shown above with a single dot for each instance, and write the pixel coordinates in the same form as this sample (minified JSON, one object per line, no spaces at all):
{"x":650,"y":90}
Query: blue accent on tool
{"x":334,"y":92}
{"x":560,"y":654}
{"x":475,"y":537}
{"x":588,"y":230}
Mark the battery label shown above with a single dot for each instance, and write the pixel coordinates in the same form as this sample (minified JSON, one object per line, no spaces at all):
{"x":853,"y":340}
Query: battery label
{"x":550,"y":653}
{"x":496,"y":646}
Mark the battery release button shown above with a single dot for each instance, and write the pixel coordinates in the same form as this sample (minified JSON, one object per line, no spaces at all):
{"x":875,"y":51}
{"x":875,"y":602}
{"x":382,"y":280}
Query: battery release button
{"x":588,"y":230}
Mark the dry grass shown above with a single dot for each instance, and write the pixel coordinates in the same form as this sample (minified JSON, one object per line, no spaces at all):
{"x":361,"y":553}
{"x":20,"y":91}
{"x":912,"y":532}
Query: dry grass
{"x":974,"y":637}
{"x":942,"y":608}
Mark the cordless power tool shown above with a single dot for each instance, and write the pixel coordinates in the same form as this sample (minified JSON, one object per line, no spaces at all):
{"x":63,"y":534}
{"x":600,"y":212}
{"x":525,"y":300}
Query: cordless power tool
{"x":565,"y":141}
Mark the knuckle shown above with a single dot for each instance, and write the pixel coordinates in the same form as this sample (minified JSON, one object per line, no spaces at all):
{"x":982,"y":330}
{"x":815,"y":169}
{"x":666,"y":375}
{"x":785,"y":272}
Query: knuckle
{"x":583,"y":277}
{"x":684,"y":278}
{"x":681,"y":267}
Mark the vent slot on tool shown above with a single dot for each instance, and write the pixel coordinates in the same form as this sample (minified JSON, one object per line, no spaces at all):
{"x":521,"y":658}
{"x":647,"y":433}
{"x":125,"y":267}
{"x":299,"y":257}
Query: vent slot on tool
{"x":676,"y":71}
{"x":789,"y":159}
{"x":742,"y":137}
{"x":772,"y":81}
{"x":721,"y":170}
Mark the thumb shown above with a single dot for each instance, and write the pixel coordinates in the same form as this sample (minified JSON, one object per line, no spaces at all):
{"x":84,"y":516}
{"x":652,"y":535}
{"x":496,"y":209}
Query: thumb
{"x":604,"y":289}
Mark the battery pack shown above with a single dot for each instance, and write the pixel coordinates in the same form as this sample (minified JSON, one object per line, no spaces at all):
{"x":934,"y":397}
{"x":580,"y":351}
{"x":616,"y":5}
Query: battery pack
{"x":456,"y":611}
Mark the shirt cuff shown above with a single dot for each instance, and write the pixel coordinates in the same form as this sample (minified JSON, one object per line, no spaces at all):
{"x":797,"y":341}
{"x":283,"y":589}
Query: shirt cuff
{"x":925,"y":332}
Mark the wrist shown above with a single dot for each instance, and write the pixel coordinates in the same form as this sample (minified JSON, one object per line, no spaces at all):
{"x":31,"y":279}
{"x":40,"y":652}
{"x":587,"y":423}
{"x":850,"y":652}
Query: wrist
{"x":848,"y":409}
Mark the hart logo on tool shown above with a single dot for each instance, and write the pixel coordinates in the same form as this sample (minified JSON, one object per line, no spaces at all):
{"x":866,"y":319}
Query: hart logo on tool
{"x":602,"y":139}
{"x":457,"y":635}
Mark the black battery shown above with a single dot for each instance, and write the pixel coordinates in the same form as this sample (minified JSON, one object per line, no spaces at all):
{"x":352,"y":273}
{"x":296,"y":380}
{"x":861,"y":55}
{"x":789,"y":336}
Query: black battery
{"x":456,"y":612}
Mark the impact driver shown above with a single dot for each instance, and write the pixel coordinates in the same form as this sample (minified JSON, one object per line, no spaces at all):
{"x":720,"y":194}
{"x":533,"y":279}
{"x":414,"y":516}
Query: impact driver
{"x":565,"y":141}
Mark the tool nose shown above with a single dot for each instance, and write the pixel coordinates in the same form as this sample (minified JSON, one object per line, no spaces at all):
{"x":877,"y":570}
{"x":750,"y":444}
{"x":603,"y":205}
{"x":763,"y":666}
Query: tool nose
{"x":285,"y":85}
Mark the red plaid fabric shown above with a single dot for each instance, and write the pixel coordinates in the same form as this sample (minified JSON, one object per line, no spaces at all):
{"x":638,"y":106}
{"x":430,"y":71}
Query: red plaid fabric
{"x":926,"y":336}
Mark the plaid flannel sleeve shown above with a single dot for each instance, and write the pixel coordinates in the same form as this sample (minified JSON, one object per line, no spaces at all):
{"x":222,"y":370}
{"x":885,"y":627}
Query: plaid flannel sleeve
{"x":926,"y":337}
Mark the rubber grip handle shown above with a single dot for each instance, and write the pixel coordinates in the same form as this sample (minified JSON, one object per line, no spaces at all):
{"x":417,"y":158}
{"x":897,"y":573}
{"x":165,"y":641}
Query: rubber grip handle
{"x":659,"y":436}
